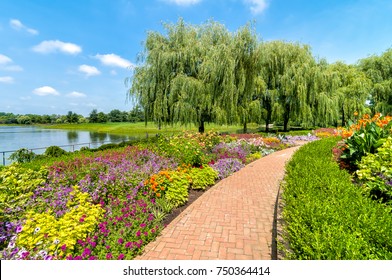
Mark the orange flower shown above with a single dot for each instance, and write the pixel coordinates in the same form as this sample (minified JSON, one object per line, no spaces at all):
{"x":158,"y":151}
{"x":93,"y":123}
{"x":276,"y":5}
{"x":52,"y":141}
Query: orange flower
{"x":355,"y":113}
{"x":158,"y":194}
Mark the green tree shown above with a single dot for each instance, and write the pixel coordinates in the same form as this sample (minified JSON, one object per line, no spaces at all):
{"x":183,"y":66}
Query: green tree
{"x":287,"y":67}
{"x":187,"y":75}
{"x":353,"y":91}
{"x":245,"y":73}
{"x":102,"y":117}
{"x":93,"y":117}
{"x":72,"y":117}
{"x":379,"y":70}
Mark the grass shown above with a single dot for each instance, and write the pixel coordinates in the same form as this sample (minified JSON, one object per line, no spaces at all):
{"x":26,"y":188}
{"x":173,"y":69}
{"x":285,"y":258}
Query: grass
{"x":140,"y":129}
{"x":326,"y":216}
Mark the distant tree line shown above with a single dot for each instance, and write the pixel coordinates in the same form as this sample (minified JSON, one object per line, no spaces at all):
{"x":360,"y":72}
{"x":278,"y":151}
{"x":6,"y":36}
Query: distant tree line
{"x":115,"y":115}
{"x":204,"y":73}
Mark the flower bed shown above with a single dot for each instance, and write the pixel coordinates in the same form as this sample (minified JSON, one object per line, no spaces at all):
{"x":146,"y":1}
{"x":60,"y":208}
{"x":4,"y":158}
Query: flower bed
{"x":110,"y":204}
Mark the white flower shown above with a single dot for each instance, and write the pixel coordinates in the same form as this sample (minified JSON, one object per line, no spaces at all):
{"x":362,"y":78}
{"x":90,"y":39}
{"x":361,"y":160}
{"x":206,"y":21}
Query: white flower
{"x":11,"y":245}
{"x":37,"y":229}
{"x":56,"y":241}
{"x":43,"y":253}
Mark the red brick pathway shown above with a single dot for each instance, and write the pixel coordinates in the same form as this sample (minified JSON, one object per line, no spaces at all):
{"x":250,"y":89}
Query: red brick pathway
{"x":231,"y":221}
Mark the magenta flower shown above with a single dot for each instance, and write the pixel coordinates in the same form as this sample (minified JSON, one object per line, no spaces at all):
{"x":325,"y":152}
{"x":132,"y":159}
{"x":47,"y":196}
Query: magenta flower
{"x":120,"y":257}
{"x":128,"y":245}
{"x":109,"y":256}
{"x":64,"y":247}
{"x":86,"y":252}
{"x":138,"y":233}
{"x":120,"y":241}
{"x":142,"y":225}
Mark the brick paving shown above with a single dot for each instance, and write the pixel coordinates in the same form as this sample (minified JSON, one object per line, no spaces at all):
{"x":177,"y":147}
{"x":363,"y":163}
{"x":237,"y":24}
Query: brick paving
{"x":231,"y":221}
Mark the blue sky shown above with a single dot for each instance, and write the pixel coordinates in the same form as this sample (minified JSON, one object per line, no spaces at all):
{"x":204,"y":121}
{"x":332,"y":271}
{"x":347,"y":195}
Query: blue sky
{"x":58,"y":56}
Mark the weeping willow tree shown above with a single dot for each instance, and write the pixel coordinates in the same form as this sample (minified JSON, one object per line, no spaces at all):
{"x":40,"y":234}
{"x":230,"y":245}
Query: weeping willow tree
{"x":245,"y":73}
{"x":187,"y":75}
{"x":286,"y":67}
{"x":379,"y":70}
{"x":322,"y":95}
{"x":353,"y":91}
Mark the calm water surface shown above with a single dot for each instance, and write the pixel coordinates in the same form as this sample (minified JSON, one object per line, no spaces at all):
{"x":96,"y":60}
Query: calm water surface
{"x":31,"y":137}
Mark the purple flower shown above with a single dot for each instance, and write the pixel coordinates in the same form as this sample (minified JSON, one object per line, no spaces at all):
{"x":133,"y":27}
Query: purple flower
{"x":18,"y":228}
{"x":48,"y":258}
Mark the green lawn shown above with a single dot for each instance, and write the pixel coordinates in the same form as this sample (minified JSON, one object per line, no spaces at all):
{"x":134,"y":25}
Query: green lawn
{"x":140,"y":129}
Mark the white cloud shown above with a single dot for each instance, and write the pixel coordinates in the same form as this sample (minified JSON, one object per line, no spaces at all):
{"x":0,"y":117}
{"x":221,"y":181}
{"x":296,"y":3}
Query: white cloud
{"x":25,"y":98}
{"x":12,"y":68}
{"x":6,"y":80}
{"x":89,"y":70}
{"x":18,"y":25}
{"x":45,"y":90}
{"x":113,"y":72}
{"x":5,"y":62}
{"x":4,"y":59}
{"x":76,"y":94}
{"x":53,"y":46}
{"x":183,"y":2}
{"x":114,"y":60}
{"x":256,"y":6}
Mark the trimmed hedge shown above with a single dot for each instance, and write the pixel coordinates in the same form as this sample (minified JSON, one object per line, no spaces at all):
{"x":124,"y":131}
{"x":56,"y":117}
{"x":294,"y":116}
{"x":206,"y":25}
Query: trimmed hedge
{"x":326,"y":216}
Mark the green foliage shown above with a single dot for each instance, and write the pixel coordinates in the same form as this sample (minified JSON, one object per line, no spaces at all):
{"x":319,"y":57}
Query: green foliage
{"x":177,"y":191}
{"x":42,"y":231}
{"x":164,"y":205}
{"x":365,"y":140}
{"x":54,"y":151}
{"x":186,"y":149}
{"x":22,"y":155}
{"x":16,"y":187}
{"x":326,"y":215}
{"x":252,"y":157}
{"x":203,"y":177}
{"x":375,"y":172}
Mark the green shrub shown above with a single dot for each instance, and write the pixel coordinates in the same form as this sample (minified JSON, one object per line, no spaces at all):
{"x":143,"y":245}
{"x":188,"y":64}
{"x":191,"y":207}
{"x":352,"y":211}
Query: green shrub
{"x":54,"y":151}
{"x":375,"y":172}
{"x":177,"y":191}
{"x":203,"y":177}
{"x":16,"y":186}
{"x":253,"y":157}
{"x":22,"y":155}
{"x":366,"y":139}
{"x":326,"y":216}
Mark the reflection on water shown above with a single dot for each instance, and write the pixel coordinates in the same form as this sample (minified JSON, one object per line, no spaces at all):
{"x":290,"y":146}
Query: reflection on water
{"x":98,"y":137}
{"x":73,"y":136}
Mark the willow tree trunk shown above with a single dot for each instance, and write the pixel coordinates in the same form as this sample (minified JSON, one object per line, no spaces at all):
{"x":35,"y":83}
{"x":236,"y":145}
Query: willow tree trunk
{"x":343,"y":119}
{"x":201,"y":127}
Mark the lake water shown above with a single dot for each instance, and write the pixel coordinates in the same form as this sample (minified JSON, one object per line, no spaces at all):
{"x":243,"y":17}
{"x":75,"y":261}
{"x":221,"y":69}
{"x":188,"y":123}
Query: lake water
{"x":16,"y":137}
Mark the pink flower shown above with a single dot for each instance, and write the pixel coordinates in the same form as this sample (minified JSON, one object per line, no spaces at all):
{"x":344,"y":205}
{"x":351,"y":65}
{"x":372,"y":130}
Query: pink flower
{"x":142,"y":225}
{"x":120,"y":241}
{"x":120,"y":257}
{"x":138,"y":233}
{"x":109,"y":256}
{"x":64,"y":247}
